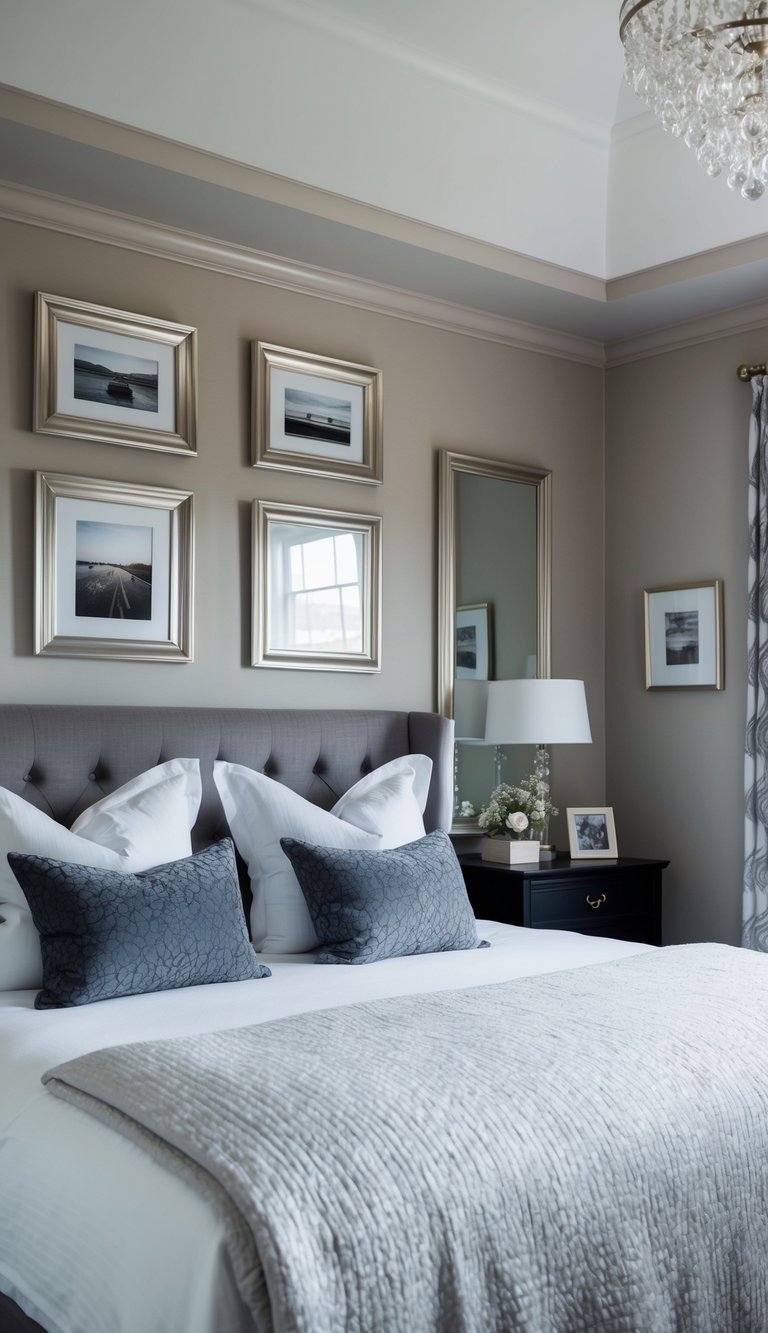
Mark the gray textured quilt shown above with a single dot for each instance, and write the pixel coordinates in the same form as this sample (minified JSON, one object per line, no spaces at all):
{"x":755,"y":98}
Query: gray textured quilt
{"x":582,"y":1151}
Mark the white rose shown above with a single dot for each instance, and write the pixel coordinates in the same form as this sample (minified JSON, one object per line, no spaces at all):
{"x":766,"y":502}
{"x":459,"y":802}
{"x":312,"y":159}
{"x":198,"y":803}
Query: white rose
{"x":518,"y":822}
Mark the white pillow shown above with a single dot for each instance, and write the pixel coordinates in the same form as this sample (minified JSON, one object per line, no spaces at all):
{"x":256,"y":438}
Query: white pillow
{"x":384,"y":809}
{"x":21,"y":966}
{"x":144,"y":823}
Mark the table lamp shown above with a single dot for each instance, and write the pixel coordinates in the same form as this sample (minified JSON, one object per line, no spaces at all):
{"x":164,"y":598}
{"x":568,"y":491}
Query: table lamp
{"x":540,"y":713}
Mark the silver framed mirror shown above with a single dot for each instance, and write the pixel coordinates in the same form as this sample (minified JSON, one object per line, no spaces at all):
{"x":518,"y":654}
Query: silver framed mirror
{"x":494,"y":603}
{"x":316,"y":588}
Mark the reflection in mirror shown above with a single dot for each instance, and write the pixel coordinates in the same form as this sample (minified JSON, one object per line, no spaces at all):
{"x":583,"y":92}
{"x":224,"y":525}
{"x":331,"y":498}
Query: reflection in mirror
{"x":316,"y":583}
{"x":493,"y":618}
{"x":315,"y":589}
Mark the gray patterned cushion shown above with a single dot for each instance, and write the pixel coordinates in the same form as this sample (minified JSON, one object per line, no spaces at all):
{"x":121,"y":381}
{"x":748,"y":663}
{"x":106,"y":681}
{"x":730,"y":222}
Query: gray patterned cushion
{"x":105,"y":934}
{"x":371,"y":905}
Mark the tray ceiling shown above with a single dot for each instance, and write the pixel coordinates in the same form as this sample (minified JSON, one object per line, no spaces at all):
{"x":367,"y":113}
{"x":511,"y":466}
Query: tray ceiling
{"x":487,"y":155}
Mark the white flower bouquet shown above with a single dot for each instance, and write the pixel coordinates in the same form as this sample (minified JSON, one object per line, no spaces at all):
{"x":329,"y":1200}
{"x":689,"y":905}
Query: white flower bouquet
{"x":522,"y":811}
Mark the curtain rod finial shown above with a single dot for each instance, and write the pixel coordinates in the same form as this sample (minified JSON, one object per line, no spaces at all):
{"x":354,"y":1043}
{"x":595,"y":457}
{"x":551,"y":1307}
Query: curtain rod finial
{"x":746,"y":373}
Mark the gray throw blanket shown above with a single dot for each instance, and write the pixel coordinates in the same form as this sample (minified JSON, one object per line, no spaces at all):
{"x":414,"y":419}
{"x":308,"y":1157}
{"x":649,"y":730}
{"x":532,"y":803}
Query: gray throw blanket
{"x":578,"y":1152}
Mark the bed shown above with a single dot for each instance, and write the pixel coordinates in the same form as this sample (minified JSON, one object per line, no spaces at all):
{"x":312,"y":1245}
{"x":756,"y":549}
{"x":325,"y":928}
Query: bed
{"x":551,"y":1133}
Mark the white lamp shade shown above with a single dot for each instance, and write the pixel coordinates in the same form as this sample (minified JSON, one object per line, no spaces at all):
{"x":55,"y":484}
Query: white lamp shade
{"x":536,"y":712}
{"x":469,"y":698}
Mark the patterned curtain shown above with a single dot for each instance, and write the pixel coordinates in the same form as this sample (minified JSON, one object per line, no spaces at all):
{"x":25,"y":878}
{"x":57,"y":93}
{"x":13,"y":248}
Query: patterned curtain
{"x":755,"y":911}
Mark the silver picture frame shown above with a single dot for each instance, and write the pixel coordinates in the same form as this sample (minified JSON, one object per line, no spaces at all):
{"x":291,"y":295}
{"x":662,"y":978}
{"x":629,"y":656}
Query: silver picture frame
{"x":316,"y":588}
{"x":313,"y":414}
{"x":114,"y":377}
{"x":684,"y":642}
{"x":474,"y":642}
{"x":114,"y":568}
{"x":592,"y":835}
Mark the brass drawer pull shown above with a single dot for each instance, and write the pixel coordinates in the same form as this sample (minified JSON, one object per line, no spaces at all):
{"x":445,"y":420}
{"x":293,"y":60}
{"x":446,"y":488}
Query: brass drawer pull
{"x":596,"y":902}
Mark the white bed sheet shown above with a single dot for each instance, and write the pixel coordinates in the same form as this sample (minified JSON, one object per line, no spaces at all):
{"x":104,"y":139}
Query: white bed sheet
{"x":96,"y":1235}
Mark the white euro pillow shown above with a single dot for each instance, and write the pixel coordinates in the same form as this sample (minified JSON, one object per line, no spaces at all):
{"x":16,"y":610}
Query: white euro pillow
{"x":375,"y":805}
{"x":145,"y":823}
{"x":383,"y":810}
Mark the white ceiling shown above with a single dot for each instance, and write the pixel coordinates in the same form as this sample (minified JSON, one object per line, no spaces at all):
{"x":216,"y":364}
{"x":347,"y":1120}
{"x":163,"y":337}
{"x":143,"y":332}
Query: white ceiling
{"x":561,"y":56}
{"x":486,"y":153}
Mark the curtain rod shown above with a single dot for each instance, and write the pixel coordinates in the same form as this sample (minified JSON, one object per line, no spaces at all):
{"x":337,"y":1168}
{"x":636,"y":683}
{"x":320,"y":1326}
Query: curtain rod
{"x":746,"y":373}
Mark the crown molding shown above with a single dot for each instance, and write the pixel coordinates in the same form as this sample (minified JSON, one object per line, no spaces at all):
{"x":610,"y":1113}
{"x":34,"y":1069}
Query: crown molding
{"x":111,"y":136}
{"x":37,"y":208}
{"x":84,"y":127}
{"x":90,"y":222}
{"x":734,"y":254}
{"x":675,"y":337}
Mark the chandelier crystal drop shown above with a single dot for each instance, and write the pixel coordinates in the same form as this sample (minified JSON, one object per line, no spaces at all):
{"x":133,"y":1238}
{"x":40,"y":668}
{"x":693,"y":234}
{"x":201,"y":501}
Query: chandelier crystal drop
{"x":701,"y":67}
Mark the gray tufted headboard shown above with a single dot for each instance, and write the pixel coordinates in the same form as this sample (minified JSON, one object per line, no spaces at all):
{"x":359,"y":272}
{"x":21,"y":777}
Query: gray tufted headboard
{"x":63,"y":757}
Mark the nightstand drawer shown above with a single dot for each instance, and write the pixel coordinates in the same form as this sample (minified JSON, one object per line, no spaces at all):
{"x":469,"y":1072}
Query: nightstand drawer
{"x":585,"y":903}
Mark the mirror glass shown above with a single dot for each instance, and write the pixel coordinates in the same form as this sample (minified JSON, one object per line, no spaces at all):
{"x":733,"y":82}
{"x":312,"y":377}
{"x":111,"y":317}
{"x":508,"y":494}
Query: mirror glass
{"x":315,"y":589}
{"x":493,"y":618}
{"x":316,"y":584}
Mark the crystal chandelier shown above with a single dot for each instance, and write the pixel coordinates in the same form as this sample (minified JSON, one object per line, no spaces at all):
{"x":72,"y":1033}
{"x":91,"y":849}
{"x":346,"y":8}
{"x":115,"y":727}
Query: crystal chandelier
{"x":700,"y":66}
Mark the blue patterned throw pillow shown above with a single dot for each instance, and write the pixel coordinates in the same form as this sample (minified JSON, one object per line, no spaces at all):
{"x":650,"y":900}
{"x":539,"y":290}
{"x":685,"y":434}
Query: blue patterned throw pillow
{"x":104,"y":934}
{"x":366,"y":905}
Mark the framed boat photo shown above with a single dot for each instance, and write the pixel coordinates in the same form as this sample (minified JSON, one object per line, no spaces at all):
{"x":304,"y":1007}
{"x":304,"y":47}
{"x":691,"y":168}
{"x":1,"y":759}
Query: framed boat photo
{"x":314,"y":414}
{"x":114,"y":376}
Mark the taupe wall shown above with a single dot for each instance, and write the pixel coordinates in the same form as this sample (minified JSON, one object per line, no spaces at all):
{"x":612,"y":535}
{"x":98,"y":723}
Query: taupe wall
{"x":441,"y":390}
{"x":676,"y":497}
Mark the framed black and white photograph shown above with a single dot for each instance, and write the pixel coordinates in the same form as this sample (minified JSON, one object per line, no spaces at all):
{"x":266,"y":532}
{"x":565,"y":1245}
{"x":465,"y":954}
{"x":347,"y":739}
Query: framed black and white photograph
{"x":113,"y":570}
{"x":684,"y":636}
{"x":591,"y":832}
{"x":317,"y":588}
{"x":313,"y":414}
{"x":473,"y":642}
{"x":113,"y":376}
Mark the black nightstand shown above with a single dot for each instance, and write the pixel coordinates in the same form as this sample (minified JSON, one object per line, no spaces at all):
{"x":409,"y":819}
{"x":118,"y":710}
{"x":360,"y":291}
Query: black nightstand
{"x":620,"y":898}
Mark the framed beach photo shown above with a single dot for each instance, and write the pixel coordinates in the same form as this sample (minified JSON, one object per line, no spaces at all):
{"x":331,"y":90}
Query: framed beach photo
{"x":113,"y":376}
{"x":317,"y":588}
{"x":684,"y":636}
{"x":473,"y":642}
{"x":591,"y":832}
{"x":313,"y":414}
{"x":113,"y":570}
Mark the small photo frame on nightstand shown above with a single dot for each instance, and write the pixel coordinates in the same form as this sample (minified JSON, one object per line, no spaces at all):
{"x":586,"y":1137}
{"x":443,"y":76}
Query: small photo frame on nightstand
{"x":591,"y":832}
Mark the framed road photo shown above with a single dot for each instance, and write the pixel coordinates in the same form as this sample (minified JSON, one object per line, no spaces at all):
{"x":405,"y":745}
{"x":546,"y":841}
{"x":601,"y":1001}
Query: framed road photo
{"x":684,"y":637}
{"x":312,"y":414}
{"x":113,"y":570}
{"x":591,"y":832}
{"x":317,"y":588}
{"x":113,"y":376}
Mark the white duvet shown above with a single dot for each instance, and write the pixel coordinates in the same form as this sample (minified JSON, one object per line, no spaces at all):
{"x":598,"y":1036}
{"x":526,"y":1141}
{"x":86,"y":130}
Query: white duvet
{"x":96,"y":1236}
